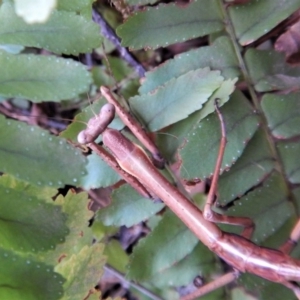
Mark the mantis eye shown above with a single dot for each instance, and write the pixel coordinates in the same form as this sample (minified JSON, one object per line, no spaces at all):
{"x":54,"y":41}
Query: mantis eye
{"x":81,"y":137}
{"x":107,"y":111}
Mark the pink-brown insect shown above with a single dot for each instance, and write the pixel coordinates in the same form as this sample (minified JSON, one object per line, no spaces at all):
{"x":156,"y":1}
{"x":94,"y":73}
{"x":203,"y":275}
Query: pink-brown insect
{"x":237,"y":251}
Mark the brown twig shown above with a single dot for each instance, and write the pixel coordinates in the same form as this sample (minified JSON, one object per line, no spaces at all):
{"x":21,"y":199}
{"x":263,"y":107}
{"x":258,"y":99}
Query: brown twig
{"x":110,"y":34}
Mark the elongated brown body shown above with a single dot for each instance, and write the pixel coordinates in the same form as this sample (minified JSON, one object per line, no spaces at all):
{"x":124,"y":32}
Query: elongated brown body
{"x":237,"y":251}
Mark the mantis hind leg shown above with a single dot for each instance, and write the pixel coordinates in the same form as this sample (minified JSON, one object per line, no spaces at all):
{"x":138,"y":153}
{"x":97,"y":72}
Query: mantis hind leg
{"x":294,"y":287}
{"x":211,"y":286}
{"x":208,"y":213}
{"x":247,"y":223}
{"x":290,"y":244}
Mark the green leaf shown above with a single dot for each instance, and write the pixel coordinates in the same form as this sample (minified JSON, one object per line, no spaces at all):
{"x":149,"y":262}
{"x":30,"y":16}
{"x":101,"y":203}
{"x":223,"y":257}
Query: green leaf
{"x":41,"y":78}
{"x":44,"y":193}
{"x":177,"y":99}
{"x":283,"y":114}
{"x":74,"y":5}
{"x":241,"y":294}
{"x":33,"y":11}
{"x":250,"y":169}
{"x":95,"y":295}
{"x":265,"y":289}
{"x":289,"y":154}
{"x":219,"y":56}
{"x":175,"y":135}
{"x":99,"y":174}
{"x":100,"y":231}
{"x":28,"y":151}
{"x":64,"y":32}
{"x":200,"y":262}
{"x":119,"y":68}
{"x":82,"y":272}
{"x":75,"y":206}
{"x":127,"y":208}
{"x":199,"y":153}
{"x":168,"y":24}
{"x":25,"y":278}
{"x":28,"y":223}
{"x":174,"y":242}
{"x":269,"y":71}
{"x":115,"y":69}
{"x":256,"y":18}
{"x":267,"y":207}
{"x":221,"y":95}
{"x":116,"y":255}
{"x":100,"y":76}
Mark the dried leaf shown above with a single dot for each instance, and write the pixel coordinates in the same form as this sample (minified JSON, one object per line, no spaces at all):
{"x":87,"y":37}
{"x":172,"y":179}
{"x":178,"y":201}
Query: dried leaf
{"x":289,"y":42}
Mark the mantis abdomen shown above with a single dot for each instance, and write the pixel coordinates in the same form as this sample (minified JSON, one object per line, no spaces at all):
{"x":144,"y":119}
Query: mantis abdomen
{"x":237,"y":251}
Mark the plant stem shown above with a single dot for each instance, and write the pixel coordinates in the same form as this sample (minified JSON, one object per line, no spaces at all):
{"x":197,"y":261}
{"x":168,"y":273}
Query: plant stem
{"x":126,"y":282}
{"x":256,"y":102}
{"x":110,"y":34}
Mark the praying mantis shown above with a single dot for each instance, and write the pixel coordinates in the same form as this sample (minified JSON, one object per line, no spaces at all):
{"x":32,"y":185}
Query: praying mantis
{"x":137,"y":169}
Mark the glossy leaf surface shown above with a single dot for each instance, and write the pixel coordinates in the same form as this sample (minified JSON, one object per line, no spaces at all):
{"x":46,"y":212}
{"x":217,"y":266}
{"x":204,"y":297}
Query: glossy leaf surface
{"x":128,"y":208}
{"x":218,"y":56}
{"x":270,"y":72}
{"x":83,"y":35}
{"x":41,"y":280}
{"x":41,"y":78}
{"x":27,"y":151}
{"x":173,"y":239}
{"x":177,"y":99}
{"x":29,"y":223}
{"x":256,"y":18}
{"x":168,"y":24}
{"x":204,"y":140}
{"x":283,"y":114}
